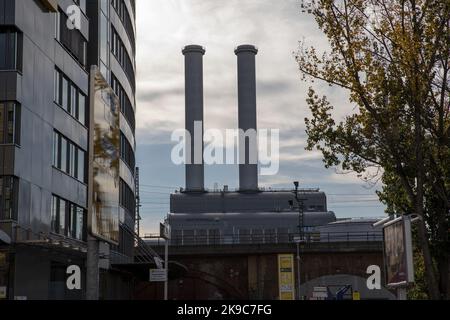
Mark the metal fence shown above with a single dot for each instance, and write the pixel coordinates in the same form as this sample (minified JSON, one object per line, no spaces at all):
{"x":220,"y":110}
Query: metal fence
{"x":275,"y":238}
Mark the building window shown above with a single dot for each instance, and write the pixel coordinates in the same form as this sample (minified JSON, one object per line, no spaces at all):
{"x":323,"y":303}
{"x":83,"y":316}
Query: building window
{"x":126,"y":108}
{"x":133,"y":6}
{"x":120,"y":52}
{"x":10,"y":49}
{"x":68,"y":157}
{"x":122,"y":12}
{"x":71,"y":39}
{"x":127,"y":199}
{"x":9,"y":123}
{"x":9,"y":187}
{"x":81,"y":4}
{"x":69,"y":97}
{"x":68,"y":219}
{"x":127,"y":153}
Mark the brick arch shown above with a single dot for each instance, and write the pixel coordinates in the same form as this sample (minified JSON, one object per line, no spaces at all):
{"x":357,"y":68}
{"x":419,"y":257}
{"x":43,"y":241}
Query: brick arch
{"x":227,"y":289}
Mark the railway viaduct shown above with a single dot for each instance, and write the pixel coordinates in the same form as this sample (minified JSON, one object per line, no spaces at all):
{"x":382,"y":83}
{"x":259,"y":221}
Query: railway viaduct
{"x":250,"y":271}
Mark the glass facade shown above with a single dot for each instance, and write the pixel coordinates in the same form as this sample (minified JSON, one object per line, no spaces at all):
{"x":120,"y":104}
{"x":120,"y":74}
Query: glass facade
{"x":122,"y":12}
{"x":71,"y":39}
{"x":9,"y":123}
{"x":8,"y":198}
{"x":68,"y":157}
{"x":127,"y":152}
{"x":119,"y":51}
{"x":48,"y":199}
{"x":69,"y":97}
{"x":104,"y":39}
{"x":127,"y":199}
{"x":81,"y":4}
{"x":10,"y":49}
{"x":126,"y":108}
{"x":68,"y":219}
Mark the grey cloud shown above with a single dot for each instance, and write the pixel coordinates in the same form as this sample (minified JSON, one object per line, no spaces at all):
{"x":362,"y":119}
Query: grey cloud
{"x":149,"y":95}
{"x":274,"y":86}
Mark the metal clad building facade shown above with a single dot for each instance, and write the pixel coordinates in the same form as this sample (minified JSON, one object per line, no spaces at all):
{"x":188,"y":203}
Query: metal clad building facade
{"x":44,"y":94}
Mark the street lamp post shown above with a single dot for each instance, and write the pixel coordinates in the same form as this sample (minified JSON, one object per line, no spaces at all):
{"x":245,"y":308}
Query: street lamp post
{"x":298,"y":270}
{"x":164,"y":230}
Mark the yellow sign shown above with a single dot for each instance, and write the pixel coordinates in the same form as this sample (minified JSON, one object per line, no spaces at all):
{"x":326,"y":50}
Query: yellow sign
{"x":286,"y":278}
{"x":356,"y":295}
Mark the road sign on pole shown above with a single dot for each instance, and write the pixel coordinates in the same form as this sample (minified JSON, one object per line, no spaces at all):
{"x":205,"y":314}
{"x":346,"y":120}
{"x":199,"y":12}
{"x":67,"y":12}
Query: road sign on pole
{"x":158,"y":275}
{"x":164,"y":231}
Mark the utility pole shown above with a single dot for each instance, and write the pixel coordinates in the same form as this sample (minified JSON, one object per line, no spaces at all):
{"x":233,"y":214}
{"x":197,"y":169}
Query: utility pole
{"x":166,"y":266}
{"x":300,"y":211}
{"x":402,"y":294}
{"x":164,"y":233}
{"x":300,"y":239}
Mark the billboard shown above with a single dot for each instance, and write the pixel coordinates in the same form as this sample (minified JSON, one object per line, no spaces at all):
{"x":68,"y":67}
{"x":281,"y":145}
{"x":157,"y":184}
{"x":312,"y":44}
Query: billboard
{"x":286,"y":278}
{"x":104,"y":165}
{"x":398,"y":253}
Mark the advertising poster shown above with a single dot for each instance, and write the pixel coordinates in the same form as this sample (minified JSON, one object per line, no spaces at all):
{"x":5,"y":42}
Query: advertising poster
{"x":398,"y":253}
{"x":104,"y":156}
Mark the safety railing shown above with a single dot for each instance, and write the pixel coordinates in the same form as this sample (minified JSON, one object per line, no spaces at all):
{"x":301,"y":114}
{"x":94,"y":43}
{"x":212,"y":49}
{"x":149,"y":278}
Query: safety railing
{"x":273,"y":238}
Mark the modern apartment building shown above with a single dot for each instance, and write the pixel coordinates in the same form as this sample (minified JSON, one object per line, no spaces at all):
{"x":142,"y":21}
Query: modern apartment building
{"x":44,"y":141}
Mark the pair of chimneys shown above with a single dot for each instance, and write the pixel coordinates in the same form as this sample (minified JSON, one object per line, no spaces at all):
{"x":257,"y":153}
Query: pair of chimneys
{"x":246,"y":55}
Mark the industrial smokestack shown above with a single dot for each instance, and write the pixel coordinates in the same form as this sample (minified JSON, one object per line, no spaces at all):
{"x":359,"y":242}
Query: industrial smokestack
{"x":195,"y":177}
{"x":248,"y":171}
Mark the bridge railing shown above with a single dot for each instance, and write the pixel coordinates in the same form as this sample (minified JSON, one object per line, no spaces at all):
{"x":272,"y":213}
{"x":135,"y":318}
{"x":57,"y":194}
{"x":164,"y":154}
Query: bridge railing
{"x":272,"y":238}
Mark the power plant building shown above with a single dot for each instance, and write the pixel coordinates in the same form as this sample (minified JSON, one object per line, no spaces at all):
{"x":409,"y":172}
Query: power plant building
{"x":249,"y":214}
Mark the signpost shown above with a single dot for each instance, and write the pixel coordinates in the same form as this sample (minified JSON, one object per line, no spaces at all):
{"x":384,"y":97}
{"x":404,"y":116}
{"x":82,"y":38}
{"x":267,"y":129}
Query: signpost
{"x":298,"y":240}
{"x":161,"y":274}
{"x":320,"y":293}
{"x":165,"y":234}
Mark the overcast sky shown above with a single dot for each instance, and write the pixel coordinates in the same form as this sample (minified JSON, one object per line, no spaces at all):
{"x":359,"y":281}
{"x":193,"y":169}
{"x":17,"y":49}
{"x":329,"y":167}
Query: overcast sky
{"x":275,"y":27}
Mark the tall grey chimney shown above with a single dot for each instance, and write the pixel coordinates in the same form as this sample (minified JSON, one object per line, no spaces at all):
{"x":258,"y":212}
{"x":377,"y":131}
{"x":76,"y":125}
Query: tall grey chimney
{"x":195,"y":177}
{"x":248,"y":171}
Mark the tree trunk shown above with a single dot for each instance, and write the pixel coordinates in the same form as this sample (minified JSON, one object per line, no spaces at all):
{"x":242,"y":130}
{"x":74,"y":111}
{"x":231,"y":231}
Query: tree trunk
{"x":443,"y":266}
{"x":433,"y":289}
{"x":443,"y":254}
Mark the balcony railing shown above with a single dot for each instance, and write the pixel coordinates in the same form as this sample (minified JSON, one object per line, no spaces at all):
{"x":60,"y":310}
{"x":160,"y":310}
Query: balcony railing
{"x":276,"y":238}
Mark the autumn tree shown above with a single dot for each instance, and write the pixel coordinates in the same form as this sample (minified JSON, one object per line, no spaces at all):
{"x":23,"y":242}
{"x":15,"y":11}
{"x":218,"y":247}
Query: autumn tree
{"x":392,"y":57}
